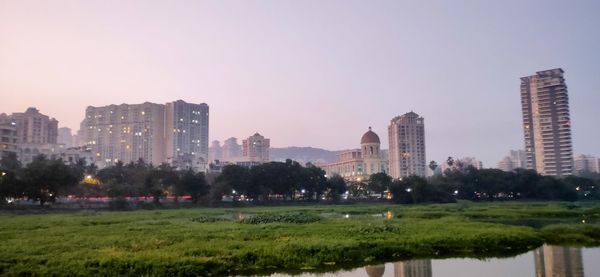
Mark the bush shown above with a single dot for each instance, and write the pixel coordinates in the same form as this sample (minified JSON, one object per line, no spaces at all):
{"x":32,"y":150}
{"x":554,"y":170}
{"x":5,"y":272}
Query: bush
{"x":297,"y":218}
{"x":206,"y":219}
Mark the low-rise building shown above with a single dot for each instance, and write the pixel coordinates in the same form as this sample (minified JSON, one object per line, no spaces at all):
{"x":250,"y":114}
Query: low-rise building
{"x":359,"y":164}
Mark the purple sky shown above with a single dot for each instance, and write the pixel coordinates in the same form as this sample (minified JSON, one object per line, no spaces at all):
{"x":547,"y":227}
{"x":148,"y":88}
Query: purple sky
{"x":308,"y":73}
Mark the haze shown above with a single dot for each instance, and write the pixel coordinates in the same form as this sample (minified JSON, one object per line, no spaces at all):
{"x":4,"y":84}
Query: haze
{"x":308,"y":73}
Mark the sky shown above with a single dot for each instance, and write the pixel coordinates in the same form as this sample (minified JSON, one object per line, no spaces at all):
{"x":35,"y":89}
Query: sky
{"x":309,"y":73}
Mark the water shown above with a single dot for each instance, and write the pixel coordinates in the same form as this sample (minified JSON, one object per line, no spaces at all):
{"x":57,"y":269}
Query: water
{"x":546,"y":261}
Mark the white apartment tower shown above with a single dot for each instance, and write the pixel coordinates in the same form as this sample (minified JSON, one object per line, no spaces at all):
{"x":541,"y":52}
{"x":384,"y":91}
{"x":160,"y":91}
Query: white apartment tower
{"x":125,"y":133}
{"x":186,"y":130}
{"x":547,"y":123}
{"x":256,"y":148}
{"x":407,"y":146}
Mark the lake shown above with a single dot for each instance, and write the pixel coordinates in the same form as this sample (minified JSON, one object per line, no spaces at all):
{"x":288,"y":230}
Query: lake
{"x":546,"y":261}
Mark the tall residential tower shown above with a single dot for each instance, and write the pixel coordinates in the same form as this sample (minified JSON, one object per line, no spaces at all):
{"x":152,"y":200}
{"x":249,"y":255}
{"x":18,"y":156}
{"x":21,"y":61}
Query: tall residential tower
{"x":186,"y":131}
{"x":176,"y":132}
{"x":407,"y":146}
{"x":125,"y":133}
{"x":547,"y":123}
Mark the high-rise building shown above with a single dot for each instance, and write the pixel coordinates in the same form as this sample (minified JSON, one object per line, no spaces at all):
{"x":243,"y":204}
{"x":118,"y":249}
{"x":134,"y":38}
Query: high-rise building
{"x":186,"y":131}
{"x":407,"y":145}
{"x":547,"y":123}
{"x":215,"y":151}
{"x":256,"y":148}
{"x":36,"y":134}
{"x":515,"y":159}
{"x":65,"y":137}
{"x":125,"y":133}
{"x":176,"y":132}
{"x":587,"y":163}
{"x":232,"y":151}
{"x":34,"y":127}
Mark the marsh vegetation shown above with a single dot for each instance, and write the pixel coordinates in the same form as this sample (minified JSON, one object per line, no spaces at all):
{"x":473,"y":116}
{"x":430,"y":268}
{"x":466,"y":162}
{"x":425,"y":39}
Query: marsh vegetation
{"x":207,"y":241}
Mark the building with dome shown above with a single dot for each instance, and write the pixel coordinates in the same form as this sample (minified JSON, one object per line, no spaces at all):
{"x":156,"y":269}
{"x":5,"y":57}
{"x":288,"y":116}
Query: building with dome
{"x":359,"y":164}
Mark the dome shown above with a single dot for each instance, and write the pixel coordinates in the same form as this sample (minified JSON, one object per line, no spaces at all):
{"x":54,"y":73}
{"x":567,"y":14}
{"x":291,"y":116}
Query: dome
{"x":370,"y":137}
{"x":375,"y":271}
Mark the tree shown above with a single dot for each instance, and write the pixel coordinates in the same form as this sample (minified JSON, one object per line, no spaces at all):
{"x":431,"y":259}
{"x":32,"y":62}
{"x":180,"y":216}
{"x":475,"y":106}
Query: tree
{"x":433,"y":166}
{"x":379,"y":182}
{"x":234,"y":177}
{"x":10,"y":181}
{"x":336,"y":186}
{"x":159,"y":180}
{"x":314,"y":181}
{"x":193,"y":184}
{"x":45,"y":179}
{"x":450,"y":161}
{"x":400,"y":192}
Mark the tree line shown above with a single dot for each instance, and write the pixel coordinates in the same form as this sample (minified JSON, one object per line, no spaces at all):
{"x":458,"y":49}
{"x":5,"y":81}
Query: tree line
{"x":44,"y":180}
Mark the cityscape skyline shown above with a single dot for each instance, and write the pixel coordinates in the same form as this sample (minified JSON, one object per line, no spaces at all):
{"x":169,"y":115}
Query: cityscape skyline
{"x":258,"y":68}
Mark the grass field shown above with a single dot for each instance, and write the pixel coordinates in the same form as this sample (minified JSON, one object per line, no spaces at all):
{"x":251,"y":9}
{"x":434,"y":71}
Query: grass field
{"x":286,"y":239}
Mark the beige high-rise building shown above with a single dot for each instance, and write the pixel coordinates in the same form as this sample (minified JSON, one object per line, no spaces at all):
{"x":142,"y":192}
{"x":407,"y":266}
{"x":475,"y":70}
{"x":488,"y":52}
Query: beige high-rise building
{"x":407,"y":146}
{"x":34,"y":127}
{"x":256,"y":148}
{"x":125,"y":133}
{"x":547,"y":123}
{"x":36,"y":134}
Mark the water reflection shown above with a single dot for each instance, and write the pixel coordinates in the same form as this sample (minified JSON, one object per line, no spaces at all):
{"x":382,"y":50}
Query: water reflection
{"x":556,"y":261}
{"x":546,"y":261}
{"x":375,"y":270}
{"x":414,"y":268}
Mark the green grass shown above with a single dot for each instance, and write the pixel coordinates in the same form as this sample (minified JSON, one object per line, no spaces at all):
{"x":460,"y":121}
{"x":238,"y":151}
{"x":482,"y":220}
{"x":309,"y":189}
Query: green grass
{"x":287,"y":239}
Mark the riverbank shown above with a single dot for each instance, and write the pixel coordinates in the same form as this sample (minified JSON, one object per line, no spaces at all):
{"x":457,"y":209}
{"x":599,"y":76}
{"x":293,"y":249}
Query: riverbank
{"x":285,"y":239}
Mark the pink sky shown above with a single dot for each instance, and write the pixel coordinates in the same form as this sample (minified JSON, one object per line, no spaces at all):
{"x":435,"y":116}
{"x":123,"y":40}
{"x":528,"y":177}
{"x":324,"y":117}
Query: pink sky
{"x":306,"y":73}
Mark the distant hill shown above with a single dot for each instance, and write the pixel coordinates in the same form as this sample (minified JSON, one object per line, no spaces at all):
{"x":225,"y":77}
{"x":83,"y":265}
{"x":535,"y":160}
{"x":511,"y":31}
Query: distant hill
{"x":303,"y":154}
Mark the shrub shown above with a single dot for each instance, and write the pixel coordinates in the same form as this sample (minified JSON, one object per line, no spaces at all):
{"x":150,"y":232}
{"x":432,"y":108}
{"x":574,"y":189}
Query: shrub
{"x":297,"y":218}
